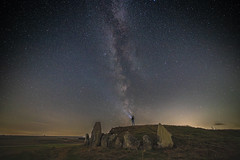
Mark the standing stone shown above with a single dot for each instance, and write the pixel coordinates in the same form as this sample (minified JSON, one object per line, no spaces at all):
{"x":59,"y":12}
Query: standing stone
{"x":130,"y":141}
{"x":86,"y":141}
{"x":96,"y":135}
{"x":147,"y":143}
{"x":118,"y":143}
{"x":111,"y":140}
{"x":164,"y":137}
{"x":104,"y":140}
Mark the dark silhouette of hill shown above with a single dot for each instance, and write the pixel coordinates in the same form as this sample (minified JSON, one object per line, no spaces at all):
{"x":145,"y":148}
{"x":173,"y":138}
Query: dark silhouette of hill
{"x":192,"y":142}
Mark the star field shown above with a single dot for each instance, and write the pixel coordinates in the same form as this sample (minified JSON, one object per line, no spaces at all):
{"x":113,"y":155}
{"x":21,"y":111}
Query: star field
{"x":66,"y":64}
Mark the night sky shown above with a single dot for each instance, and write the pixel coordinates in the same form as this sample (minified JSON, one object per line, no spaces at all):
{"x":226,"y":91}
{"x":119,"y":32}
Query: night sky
{"x":67,"y":64}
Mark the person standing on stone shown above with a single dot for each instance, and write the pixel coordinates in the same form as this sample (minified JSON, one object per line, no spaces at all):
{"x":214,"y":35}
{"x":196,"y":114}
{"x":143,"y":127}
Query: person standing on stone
{"x":133,"y":123}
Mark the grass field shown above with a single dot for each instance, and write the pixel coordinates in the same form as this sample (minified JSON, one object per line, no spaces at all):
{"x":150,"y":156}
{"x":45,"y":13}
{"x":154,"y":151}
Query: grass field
{"x":190,"y":143}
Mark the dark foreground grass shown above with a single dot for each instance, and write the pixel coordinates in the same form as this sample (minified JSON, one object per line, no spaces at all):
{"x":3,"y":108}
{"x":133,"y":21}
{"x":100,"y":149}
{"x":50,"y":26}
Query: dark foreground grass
{"x":77,"y":152}
{"x":190,"y":143}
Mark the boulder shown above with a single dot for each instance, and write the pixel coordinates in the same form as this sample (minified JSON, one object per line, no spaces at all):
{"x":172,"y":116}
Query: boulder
{"x":147,"y":143}
{"x":96,"y":135}
{"x":104,"y":140}
{"x":86,"y":141}
{"x":164,"y":137}
{"x":118,"y":143}
{"x":130,"y":141}
{"x":111,"y":140}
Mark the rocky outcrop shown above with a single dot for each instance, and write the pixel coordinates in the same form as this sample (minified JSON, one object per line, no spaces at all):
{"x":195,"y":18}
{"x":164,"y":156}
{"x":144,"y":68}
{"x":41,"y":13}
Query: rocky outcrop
{"x":96,"y":135}
{"x":130,"y":142}
{"x":86,"y":141}
{"x":104,"y":140}
{"x":121,"y":137}
{"x":147,"y":143}
{"x":164,"y":137}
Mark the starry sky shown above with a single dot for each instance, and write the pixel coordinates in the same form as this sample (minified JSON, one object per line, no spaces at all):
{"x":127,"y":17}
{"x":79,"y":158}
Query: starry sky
{"x":66,"y":64}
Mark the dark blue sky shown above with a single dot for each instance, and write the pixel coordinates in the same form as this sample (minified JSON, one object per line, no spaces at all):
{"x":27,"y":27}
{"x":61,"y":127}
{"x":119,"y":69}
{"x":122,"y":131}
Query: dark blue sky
{"x":66,"y":64}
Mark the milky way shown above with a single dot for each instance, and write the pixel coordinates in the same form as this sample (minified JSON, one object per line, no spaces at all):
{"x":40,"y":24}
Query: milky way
{"x":121,"y":49}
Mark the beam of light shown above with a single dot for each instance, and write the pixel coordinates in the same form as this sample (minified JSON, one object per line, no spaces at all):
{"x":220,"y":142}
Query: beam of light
{"x":128,"y":113}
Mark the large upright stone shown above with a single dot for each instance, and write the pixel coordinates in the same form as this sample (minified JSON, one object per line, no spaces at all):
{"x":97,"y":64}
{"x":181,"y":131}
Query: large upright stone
{"x":118,"y":143}
{"x":147,"y":143}
{"x":164,"y":137}
{"x":111,"y":140}
{"x":96,"y":135}
{"x":86,"y":141}
{"x":104,"y":140}
{"x":130,"y":141}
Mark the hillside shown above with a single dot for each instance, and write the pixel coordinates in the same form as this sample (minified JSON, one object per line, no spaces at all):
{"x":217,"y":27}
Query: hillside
{"x":190,"y":143}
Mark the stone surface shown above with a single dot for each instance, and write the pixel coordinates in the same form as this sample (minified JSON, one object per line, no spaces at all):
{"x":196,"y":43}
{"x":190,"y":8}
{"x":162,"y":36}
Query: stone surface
{"x":164,"y":137}
{"x":130,"y":142}
{"x":104,"y":140}
{"x":111,"y":140}
{"x":147,"y":143}
{"x":86,"y":141}
{"x":118,"y":143}
{"x":96,"y":135}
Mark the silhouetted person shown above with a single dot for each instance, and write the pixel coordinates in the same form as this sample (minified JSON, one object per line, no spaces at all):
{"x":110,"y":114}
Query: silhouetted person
{"x":132,"y":121}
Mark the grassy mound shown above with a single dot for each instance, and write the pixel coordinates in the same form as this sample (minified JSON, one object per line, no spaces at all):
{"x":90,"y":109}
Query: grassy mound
{"x":191,"y":142}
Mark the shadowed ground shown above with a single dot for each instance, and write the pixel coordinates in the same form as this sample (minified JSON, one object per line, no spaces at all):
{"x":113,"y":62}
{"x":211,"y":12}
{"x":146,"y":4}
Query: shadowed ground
{"x":190,"y":143}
